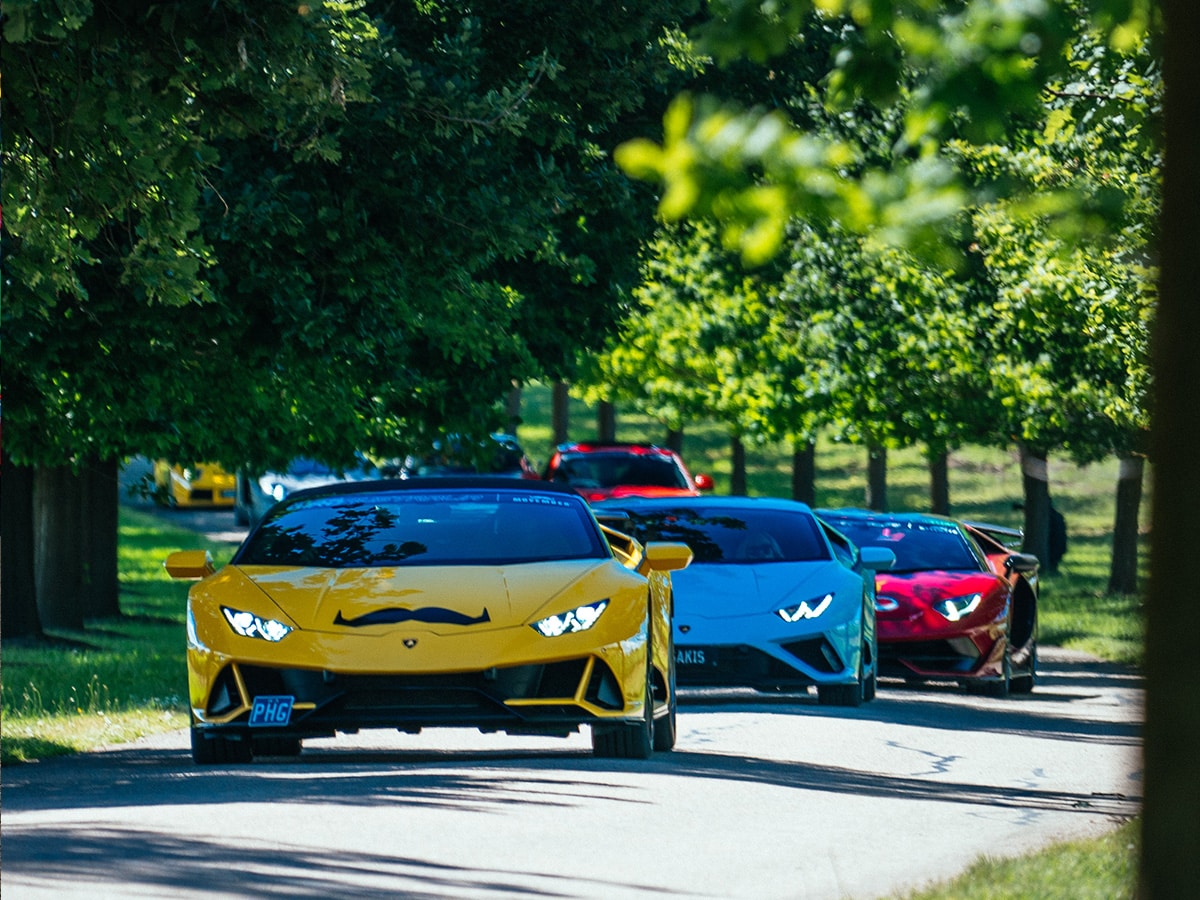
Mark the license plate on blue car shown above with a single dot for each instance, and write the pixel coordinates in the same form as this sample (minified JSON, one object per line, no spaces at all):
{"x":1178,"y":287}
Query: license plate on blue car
{"x":694,"y":657}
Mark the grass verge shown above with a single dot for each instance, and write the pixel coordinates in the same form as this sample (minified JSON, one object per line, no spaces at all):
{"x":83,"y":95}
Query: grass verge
{"x":118,"y":679}
{"x":1103,"y":868}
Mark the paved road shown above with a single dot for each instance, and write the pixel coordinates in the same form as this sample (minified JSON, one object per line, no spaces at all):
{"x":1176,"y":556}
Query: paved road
{"x":765,"y":797}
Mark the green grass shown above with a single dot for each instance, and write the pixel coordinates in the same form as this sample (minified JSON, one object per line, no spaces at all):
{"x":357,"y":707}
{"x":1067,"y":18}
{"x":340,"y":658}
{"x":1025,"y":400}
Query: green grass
{"x":123,"y":678}
{"x":118,"y":679}
{"x":1104,"y":868}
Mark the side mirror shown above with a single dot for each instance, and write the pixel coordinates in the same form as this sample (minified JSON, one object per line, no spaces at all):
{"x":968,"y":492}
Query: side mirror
{"x":1022,"y":563}
{"x":704,"y":482}
{"x":668,"y":556}
{"x":876,"y":558}
{"x":189,"y":564}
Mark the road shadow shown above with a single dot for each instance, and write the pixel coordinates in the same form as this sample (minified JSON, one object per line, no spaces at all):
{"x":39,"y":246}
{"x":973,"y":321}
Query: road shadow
{"x":493,"y":780}
{"x":164,"y":865}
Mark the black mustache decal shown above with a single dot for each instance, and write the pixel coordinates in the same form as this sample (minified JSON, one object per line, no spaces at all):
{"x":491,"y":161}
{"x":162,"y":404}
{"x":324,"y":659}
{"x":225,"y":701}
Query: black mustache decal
{"x":432,"y":615}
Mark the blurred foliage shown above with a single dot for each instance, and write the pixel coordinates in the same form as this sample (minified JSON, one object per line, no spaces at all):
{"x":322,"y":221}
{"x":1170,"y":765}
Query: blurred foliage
{"x":352,"y":224}
{"x":949,"y":280}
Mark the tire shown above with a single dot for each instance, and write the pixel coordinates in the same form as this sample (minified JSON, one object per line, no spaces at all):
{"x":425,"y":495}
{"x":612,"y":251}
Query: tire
{"x":840,"y":694}
{"x":1024,"y":683}
{"x":870,"y":684}
{"x":276,"y":746}
{"x":629,"y":741}
{"x":218,"y":749}
{"x":870,"y":687}
{"x":844,"y":694}
{"x":995,"y":687}
{"x":665,"y":728}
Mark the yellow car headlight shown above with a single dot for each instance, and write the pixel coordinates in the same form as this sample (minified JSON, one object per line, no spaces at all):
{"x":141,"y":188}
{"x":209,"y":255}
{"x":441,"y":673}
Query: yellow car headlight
{"x":581,"y":618}
{"x":249,"y":625}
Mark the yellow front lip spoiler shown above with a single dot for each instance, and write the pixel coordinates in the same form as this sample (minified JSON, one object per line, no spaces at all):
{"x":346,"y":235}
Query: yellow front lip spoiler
{"x":578,"y":700}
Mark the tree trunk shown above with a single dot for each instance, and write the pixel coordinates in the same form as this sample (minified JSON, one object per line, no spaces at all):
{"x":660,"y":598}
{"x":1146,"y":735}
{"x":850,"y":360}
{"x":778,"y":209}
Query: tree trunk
{"x":1170,"y":844}
{"x":512,"y":409}
{"x":606,"y":422}
{"x":737,"y":478}
{"x":100,"y":585}
{"x":1035,"y":478}
{"x":57,"y":516}
{"x":876,"y":495}
{"x":559,"y":412}
{"x":18,"y":591}
{"x":804,"y":472}
{"x":939,"y":482}
{"x":675,"y":439}
{"x":1123,"y":573}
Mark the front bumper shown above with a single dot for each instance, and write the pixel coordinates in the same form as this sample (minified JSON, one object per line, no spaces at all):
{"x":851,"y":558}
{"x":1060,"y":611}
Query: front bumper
{"x":549,"y":698}
{"x":950,"y":658}
{"x":817,"y":659}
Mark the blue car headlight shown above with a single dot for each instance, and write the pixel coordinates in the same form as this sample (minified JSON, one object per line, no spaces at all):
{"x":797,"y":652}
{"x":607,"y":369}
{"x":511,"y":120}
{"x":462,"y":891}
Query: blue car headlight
{"x":956,"y":608}
{"x":807,"y":609}
{"x":249,"y":625}
{"x":581,"y":618}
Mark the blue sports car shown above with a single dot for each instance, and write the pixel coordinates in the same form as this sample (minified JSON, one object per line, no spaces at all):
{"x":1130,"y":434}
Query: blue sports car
{"x":774,"y":599}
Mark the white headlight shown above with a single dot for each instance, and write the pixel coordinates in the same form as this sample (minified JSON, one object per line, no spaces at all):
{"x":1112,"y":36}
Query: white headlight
{"x":808,"y":609}
{"x":579,"y":619}
{"x":955,"y":608}
{"x":249,"y":625}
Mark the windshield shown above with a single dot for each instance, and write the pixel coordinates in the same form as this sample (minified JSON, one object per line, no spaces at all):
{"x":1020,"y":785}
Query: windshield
{"x":736,"y":535}
{"x":604,"y":470}
{"x":919,"y":546}
{"x":468,"y":527}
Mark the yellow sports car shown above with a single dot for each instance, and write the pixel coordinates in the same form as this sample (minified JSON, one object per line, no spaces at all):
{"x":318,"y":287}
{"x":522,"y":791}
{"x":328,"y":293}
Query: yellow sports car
{"x":492,"y":603}
{"x":198,"y":484}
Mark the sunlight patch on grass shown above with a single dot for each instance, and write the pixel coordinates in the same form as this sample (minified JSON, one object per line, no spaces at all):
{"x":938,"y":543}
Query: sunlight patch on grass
{"x":1100,"y":869}
{"x":29,"y":738}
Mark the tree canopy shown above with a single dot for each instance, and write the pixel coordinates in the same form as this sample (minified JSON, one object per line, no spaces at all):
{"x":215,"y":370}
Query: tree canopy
{"x":242,"y":234}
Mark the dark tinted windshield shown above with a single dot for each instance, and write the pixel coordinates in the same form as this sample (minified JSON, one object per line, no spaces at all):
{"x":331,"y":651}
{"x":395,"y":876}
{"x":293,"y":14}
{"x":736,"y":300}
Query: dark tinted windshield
{"x":919,"y":546}
{"x":498,"y":455}
{"x":425,"y":528}
{"x":736,"y":536}
{"x":304,"y":468}
{"x":604,"y":470}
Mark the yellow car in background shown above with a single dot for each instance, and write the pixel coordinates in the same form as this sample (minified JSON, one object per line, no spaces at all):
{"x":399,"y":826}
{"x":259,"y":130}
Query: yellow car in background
{"x":492,"y":603}
{"x":197,"y":484}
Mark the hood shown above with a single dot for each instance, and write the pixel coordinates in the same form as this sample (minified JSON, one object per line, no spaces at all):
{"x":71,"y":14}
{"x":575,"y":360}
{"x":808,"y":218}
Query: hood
{"x":719,"y":591}
{"x":432,"y":598}
{"x":920,"y":589}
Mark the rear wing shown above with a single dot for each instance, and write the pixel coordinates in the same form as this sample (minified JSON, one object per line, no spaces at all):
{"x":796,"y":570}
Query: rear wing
{"x":628,"y":550}
{"x":1004,"y":538}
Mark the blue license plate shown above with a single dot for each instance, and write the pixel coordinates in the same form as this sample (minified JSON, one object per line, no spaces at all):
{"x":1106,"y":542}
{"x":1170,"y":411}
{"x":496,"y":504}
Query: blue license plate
{"x":696,"y":657}
{"x":271,"y":711}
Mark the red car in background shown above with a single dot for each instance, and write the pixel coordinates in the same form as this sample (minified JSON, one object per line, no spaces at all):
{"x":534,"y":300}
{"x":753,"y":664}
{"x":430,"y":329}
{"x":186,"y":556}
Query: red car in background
{"x":959,"y":604}
{"x":602,"y":471}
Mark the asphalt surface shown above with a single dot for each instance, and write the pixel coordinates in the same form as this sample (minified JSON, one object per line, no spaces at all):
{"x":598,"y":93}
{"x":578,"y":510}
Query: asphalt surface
{"x":764,"y":797}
